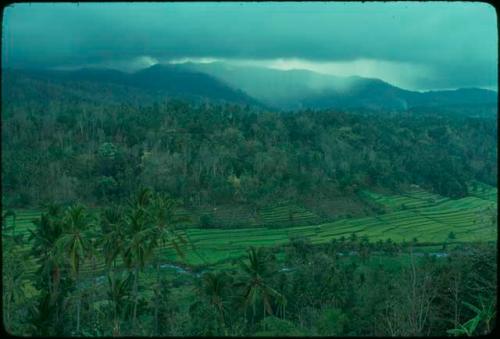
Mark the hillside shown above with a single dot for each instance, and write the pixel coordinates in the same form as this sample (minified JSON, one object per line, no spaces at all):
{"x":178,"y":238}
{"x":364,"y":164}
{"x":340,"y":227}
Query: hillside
{"x":231,"y":157}
{"x":301,"y":89}
{"x":284,"y":90}
{"x":110,"y":86}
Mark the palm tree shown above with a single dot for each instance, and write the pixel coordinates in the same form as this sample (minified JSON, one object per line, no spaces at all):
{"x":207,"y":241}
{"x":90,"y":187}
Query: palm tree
{"x":75,"y":243}
{"x":112,"y":235}
{"x":137,"y":248}
{"x":48,"y":229}
{"x":213,"y":289}
{"x":258,"y":274}
{"x":13,"y":274}
{"x":119,"y":296}
{"x":162,"y":212}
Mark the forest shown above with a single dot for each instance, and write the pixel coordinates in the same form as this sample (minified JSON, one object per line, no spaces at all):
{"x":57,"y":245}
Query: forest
{"x":101,"y":205}
{"x":233,"y":154}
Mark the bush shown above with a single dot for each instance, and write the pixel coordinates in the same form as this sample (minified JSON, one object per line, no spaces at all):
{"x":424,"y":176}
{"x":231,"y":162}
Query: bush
{"x":331,"y":322}
{"x":275,"y":327}
{"x":206,"y":221}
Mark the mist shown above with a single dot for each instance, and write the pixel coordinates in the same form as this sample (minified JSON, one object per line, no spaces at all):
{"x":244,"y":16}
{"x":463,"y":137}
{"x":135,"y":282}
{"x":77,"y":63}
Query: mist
{"x":414,"y":45}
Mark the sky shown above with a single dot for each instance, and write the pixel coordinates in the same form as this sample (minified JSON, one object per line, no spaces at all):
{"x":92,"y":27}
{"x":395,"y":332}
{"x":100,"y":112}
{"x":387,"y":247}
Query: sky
{"x":414,"y":45}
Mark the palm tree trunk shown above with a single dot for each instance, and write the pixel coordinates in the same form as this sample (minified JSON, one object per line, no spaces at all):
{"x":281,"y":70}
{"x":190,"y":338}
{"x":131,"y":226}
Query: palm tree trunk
{"x":253,"y":314}
{"x":52,"y":292}
{"x":136,"y":299}
{"x":78,"y":304}
{"x":78,"y":315}
{"x":157,"y":296}
{"x":94,"y":291}
{"x":116,"y":321}
{"x":264,"y":315}
{"x":222,"y":322}
{"x":7,"y":319}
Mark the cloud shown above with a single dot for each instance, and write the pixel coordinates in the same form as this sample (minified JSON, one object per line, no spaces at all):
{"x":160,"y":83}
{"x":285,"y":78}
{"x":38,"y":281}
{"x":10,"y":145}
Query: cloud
{"x":402,"y":74}
{"x":425,"y":45}
{"x":130,"y":65}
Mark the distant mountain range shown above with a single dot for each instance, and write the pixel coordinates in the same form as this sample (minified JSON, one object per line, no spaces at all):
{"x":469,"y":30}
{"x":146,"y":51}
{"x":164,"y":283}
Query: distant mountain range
{"x":149,"y":84}
{"x":277,"y":89}
{"x":294,"y":89}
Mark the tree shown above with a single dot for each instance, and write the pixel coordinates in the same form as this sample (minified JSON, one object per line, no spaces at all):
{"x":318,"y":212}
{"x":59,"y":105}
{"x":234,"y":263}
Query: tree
{"x":331,"y":322}
{"x":214,"y":290}
{"x":119,"y":296}
{"x":256,"y":282}
{"x":13,"y":278}
{"x":75,"y":244}
{"x":112,"y":234}
{"x":409,"y":310}
{"x":272,"y":326}
{"x":44,"y":237}
{"x":138,"y":246}
{"x":163,"y":212}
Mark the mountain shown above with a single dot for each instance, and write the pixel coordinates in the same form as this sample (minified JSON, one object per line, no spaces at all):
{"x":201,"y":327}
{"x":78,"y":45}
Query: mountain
{"x":180,"y":81}
{"x":258,"y":86}
{"x":296,"y":89}
{"x":153,"y":83}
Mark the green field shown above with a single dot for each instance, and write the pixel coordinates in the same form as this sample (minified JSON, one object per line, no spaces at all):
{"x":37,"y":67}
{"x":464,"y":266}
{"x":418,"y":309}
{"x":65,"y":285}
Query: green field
{"x":415,"y":214}
{"x":483,"y":191}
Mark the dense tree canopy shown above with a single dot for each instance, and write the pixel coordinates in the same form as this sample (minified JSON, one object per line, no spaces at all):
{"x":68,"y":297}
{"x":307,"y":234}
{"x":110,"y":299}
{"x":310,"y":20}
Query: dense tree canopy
{"x":215,"y":154}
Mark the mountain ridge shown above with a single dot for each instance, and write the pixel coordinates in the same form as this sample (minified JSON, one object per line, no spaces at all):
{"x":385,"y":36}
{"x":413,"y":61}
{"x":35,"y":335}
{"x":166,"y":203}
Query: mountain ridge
{"x":156,"y":82}
{"x":296,"y":89}
{"x":268,"y":88}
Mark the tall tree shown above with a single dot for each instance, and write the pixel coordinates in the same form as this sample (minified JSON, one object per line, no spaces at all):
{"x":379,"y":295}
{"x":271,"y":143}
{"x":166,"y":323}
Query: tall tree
{"x":163,"y":212}
{"x":113,"y":235}
{"x":44,"y":237}
{"x":214,"y":289}
{"x":119,"y":296}
{"x":258,"y":274}
{"x":75,"y":244}
{"x":138,"y":248}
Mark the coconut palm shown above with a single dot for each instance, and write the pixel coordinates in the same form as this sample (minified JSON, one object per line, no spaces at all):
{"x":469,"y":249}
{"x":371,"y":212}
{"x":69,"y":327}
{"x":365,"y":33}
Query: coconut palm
{"x":13,"y":276}
{"x":119,"y":297}
{"x":48,"y":229}
{"x":163,"y":213}
{"x":75,"y":244}
{"x":112,"y":234}
{"x":214,"y":289}
{"x":256,"y":284}
{"x":137,"y":247}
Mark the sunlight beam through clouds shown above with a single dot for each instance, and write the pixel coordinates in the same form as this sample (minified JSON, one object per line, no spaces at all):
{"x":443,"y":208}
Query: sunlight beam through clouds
{"x":402,"y":74}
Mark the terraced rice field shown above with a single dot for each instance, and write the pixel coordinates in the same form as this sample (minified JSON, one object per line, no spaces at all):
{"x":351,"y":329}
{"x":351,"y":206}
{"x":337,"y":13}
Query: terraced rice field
{"x":279,"y":215}
{"x":417,"y":214}
{"x":287,"y":214}
{"x":416,"y":198}
{"x":483,"y":191}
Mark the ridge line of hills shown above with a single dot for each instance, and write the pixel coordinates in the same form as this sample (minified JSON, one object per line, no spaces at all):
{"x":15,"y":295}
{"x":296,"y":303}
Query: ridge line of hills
{"x":265,"y":88}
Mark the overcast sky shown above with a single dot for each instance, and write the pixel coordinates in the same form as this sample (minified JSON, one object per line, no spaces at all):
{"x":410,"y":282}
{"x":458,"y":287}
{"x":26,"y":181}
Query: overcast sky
{"x":413,"y":45}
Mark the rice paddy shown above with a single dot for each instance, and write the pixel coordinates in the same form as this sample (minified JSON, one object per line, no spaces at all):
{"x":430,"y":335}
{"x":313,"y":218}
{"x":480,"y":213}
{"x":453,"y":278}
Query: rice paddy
{"x":428,"y":217}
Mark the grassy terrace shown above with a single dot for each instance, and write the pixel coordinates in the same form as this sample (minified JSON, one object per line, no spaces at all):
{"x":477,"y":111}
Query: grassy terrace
{"x":417,"y":214}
